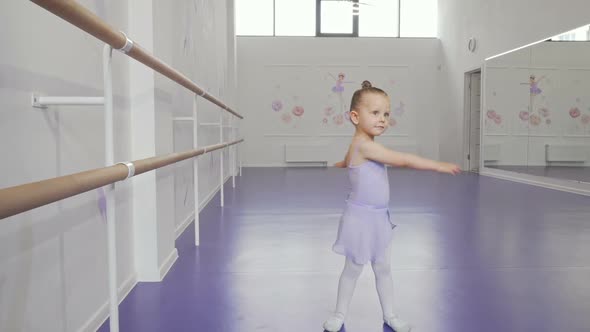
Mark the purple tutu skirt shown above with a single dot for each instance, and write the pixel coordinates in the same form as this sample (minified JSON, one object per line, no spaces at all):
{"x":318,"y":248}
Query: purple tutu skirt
{"x":364,"y":233}
{"x":338,"y":88}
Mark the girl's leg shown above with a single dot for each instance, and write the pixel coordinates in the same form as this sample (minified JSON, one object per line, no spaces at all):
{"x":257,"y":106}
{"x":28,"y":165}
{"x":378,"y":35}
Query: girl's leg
{"x":346,"y":286}
{"x":384,"y":283}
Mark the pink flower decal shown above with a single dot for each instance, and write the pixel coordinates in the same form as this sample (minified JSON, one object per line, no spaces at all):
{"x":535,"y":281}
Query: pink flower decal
{"x":544,"y":112}
{"x":498,"y":119}
{"x":325,"y":121}
{"x":574,"y":112}
{"x":298,"y":111}
{"x":491,"y":114}
{"x":523,"y":115}
{"x":338,"y":119}
{"x":277,"y":105}
{"x":535,"y":120}
{"x":328,"y":110}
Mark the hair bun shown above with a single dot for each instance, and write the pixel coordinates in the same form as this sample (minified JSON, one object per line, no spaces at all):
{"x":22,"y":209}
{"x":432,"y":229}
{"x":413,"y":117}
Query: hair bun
{"x":366,"y":84}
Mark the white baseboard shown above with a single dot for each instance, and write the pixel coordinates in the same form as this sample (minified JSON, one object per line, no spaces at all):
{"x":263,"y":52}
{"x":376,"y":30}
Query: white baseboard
{"x":266,"y":165}
{"x":539,"y":181}
{"x":167,"y":264}
{"x":183,"y":225}
{"x":209,"y":197}
{"x":101,"y":315}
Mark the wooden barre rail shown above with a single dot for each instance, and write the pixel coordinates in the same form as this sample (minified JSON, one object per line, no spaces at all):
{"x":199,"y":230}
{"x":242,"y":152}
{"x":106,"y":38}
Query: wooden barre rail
{"x":86,"y":20}
{"x":17,"y":199}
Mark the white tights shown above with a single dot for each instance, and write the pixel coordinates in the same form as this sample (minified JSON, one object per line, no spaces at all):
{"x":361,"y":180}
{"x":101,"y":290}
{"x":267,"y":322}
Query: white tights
{"x":383,"y":281}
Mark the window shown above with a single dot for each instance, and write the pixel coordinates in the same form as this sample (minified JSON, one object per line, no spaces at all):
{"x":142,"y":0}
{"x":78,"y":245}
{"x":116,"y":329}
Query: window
{"x":336,"y":18}
{"x":295,"y":18}
{"x":579,"y":34}
{"x":379,"y":18}
{"x":255,"y":17}
{"x":418,"y":18}
{"x":350,"y":18}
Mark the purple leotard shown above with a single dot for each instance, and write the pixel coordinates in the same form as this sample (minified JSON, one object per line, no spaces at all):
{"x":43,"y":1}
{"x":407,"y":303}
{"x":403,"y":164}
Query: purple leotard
{"x":365,"y":228}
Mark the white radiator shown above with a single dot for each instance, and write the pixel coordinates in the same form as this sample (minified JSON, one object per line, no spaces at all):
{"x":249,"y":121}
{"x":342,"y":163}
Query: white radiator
{"x":306,"y":153}
{"x":323,"y":153}
{"x":566,"y":153}
{"x":491,"y":152}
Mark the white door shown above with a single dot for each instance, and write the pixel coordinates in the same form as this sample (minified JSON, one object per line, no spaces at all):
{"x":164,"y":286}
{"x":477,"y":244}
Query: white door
{"x":474,"y":120}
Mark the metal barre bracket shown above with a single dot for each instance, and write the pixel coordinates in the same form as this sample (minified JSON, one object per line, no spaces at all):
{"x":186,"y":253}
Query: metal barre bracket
{"x":130,"y":169}
{"x":38,"y":101}
{"x":128,"y":44}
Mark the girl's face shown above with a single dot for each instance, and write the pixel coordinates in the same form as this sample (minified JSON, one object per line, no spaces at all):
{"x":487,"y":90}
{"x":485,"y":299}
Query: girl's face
{"x":372,"y":114}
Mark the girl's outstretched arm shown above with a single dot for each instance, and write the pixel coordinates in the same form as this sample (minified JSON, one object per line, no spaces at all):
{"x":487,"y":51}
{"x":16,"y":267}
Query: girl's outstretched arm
{"x":340,"y":164}
{"x":377,"y":152}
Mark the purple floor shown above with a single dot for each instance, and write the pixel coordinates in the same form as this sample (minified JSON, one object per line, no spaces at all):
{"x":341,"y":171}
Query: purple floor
{"x":558,"y":172}
{"x":471,"y":254}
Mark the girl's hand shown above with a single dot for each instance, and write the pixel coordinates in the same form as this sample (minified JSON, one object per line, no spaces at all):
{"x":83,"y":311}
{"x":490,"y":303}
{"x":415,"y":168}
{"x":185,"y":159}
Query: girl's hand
{"x":448,"y":168}
{"x":340,"y":164}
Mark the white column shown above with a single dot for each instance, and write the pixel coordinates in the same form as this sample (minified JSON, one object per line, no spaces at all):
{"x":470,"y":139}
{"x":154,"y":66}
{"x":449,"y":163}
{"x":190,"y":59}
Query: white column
{"x":143,"y":145}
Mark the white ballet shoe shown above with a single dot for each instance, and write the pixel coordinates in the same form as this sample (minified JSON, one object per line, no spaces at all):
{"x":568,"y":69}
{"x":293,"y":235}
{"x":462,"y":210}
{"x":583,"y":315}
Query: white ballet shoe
{"x":397,"y":324}
{"x":334,"y":323}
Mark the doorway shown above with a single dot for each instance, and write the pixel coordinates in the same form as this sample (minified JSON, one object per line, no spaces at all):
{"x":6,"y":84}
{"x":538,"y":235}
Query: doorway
{"x":472,"y":116}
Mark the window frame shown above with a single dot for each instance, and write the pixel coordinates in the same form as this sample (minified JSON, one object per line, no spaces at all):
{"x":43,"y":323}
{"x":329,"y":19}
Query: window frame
{"x":355,"y":24}
{"x":318,"y":22}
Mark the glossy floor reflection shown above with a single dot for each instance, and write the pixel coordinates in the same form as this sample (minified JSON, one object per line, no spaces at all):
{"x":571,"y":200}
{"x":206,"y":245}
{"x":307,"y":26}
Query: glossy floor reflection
{"x":558,"y":172}
{"x":471,"y":254}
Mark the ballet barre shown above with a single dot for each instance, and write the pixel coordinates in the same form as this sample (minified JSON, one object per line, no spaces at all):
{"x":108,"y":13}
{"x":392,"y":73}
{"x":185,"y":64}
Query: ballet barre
{"x":86,"y":20}
{"x":25,"y":197}
{"x":17,"y":199}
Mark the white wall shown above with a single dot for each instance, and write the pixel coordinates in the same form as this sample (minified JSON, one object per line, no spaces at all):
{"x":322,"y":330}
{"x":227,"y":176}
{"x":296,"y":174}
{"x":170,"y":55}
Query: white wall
{"x":53,"y":267}
{"x":194,"y":37}
{"x":499,"y":26}
{"x":53,"y":274}
{"x":304,"y":63}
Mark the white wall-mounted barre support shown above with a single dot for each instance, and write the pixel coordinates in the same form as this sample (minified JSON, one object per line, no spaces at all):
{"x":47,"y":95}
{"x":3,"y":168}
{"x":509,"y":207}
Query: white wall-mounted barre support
{"x":196,"y":168}
{"x":232,"y":154}
{"x":183,"y":118}
{"x":107,"y":57}
{"x":44,"y":101}
{"x":221,"y":153}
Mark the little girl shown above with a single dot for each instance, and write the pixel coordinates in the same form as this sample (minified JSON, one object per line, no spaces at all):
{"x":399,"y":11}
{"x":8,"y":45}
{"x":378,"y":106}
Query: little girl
{"x":365,"y":230}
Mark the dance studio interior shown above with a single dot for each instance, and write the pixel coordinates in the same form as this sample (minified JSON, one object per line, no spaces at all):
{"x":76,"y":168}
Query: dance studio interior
{"x":200,"y":165}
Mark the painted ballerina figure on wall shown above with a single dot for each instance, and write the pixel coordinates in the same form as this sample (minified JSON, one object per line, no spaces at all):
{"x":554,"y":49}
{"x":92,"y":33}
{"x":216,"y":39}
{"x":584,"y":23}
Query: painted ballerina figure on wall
{"x":534,"y":85}
{"x":534,"y":90}
{"x":338,"y":88}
